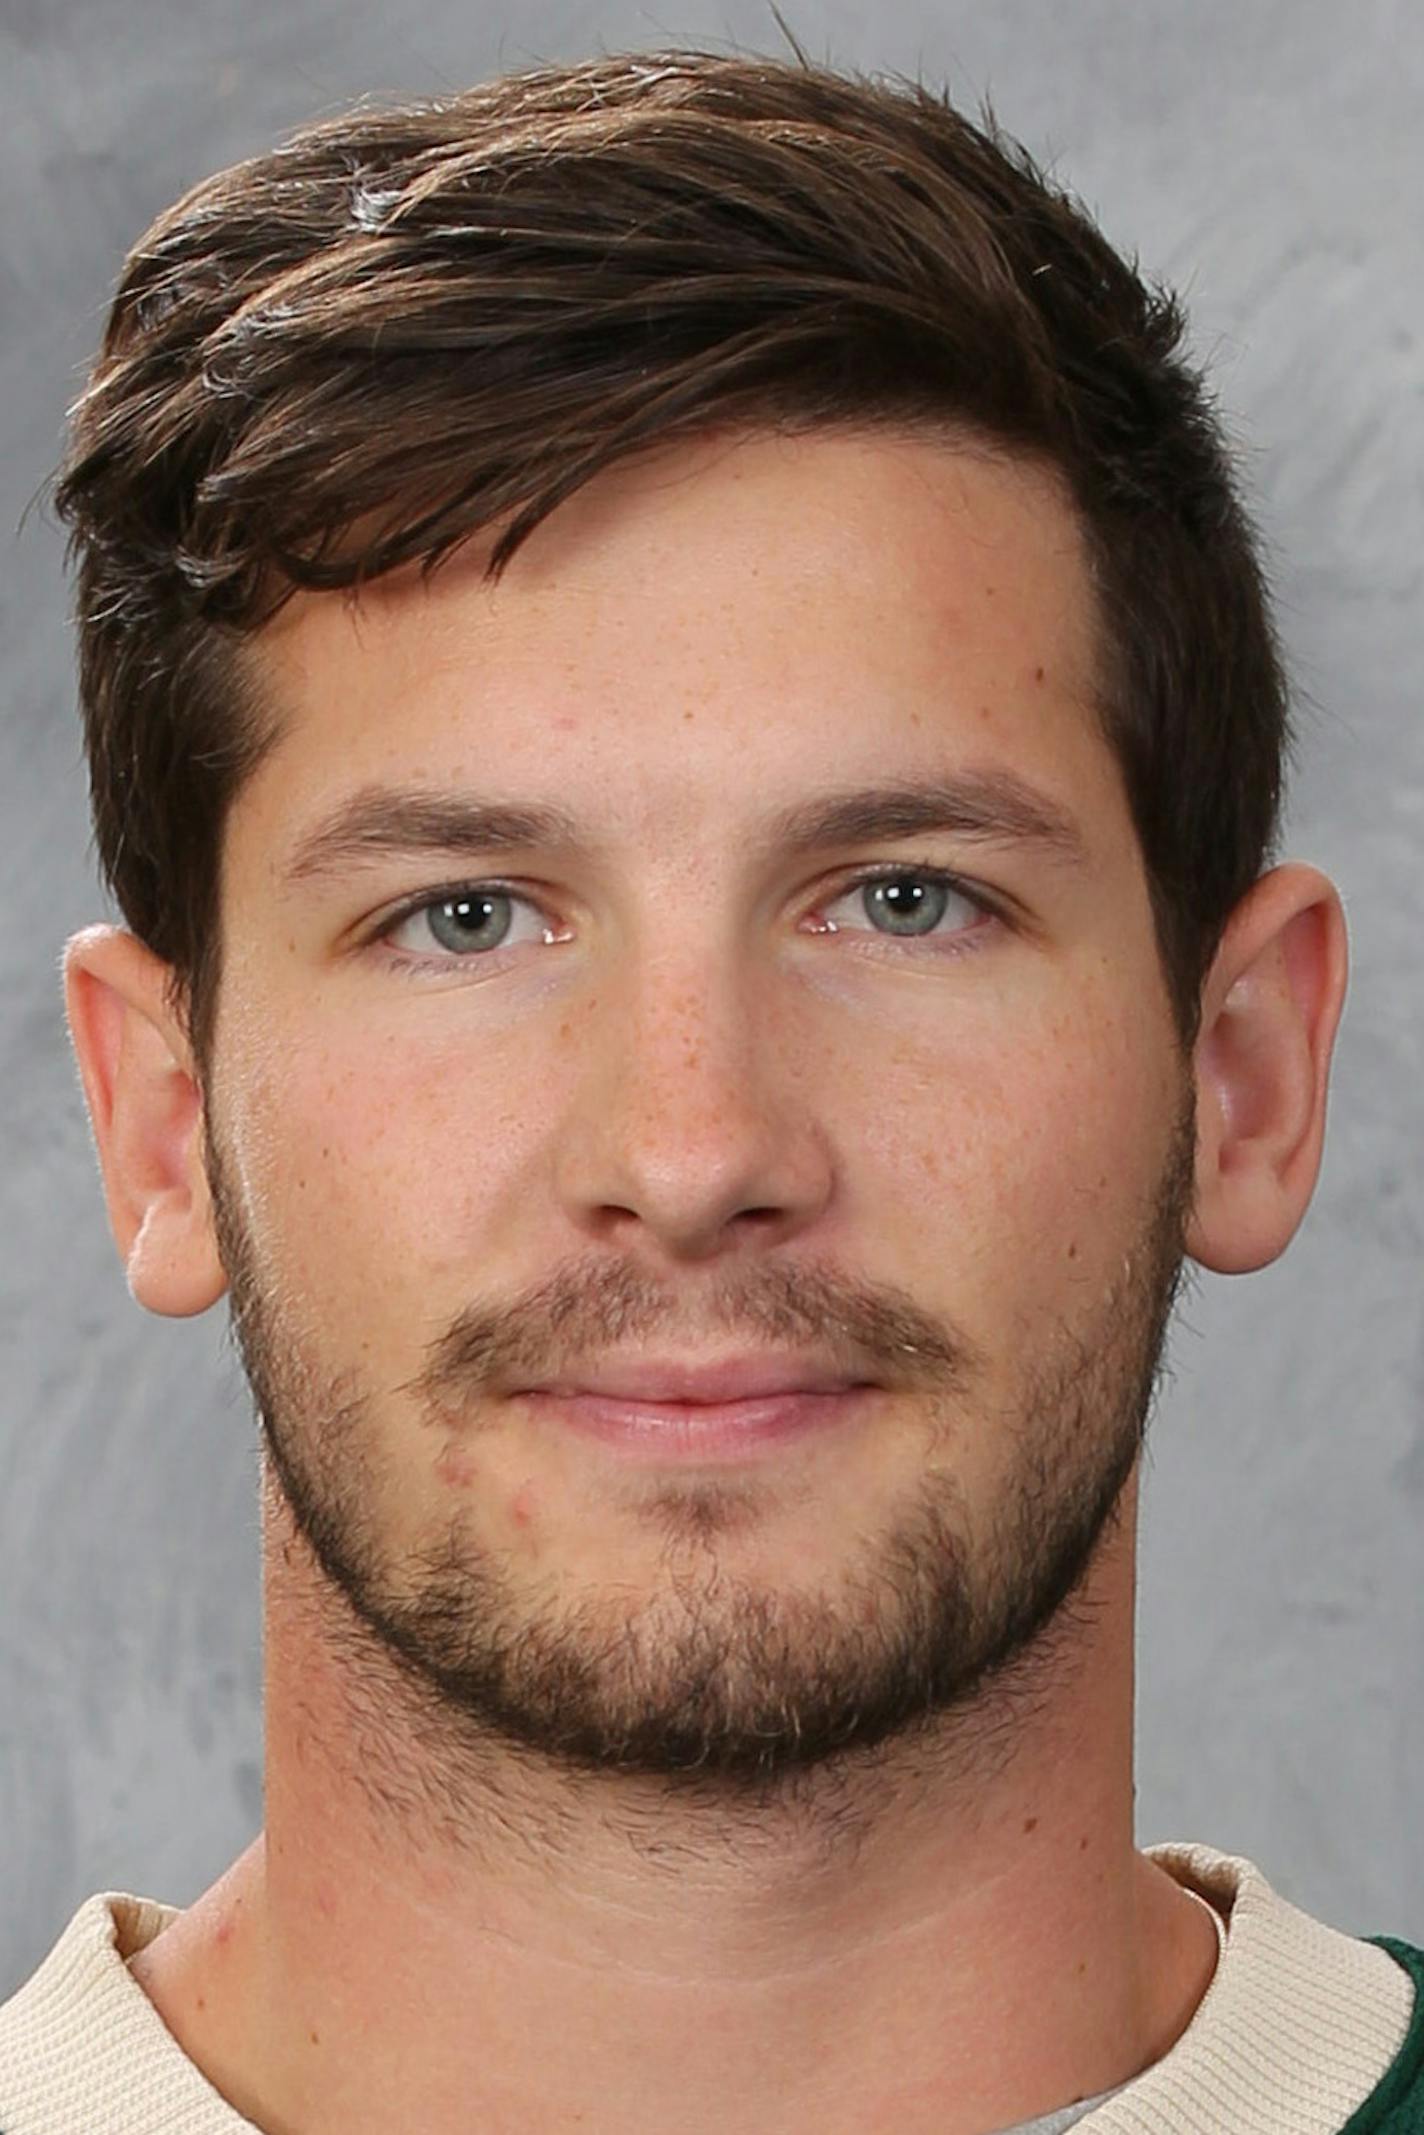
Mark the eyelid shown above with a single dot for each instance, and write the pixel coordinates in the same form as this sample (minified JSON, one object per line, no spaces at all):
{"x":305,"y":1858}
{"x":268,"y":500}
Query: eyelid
{"x":389,"y":923}
{"x":988,"y":902}
{"x":447,"y":893}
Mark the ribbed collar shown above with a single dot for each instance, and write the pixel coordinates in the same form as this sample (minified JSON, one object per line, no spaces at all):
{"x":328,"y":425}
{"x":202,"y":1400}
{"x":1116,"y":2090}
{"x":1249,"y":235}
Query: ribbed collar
{"x":82,"y":2048}
{"x":1296,"y":2029}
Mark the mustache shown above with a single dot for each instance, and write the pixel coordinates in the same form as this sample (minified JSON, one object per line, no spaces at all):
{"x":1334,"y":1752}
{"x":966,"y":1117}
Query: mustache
{"x":591,"y":1307}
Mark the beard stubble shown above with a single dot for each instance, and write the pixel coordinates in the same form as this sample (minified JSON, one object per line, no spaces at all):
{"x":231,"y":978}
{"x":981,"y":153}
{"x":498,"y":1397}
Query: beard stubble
{"x":944,"y":1617}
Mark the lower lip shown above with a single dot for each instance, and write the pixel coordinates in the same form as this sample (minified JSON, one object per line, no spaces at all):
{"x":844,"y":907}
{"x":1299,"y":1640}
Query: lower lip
{"x":695,"y":1430}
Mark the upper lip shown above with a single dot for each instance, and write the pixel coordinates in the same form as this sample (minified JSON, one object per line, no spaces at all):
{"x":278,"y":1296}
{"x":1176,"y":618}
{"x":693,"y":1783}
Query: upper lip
{"x":742,"y":1378}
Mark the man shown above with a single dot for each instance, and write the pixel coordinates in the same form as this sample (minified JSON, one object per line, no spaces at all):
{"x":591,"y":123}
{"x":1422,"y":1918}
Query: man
{"x":684,"y":721}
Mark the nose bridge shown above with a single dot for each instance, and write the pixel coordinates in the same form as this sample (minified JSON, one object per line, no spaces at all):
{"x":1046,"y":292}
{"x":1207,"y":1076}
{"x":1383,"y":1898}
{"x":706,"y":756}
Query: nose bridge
{"x":691,"y":1117}
{"x":689,"y":1012}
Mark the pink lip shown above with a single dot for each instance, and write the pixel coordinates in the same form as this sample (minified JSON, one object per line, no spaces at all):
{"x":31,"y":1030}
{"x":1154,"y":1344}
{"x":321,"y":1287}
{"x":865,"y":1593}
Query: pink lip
{"x":674,"y":1409}
{"x":677,"y":1381}
{"x":700,"y":1430}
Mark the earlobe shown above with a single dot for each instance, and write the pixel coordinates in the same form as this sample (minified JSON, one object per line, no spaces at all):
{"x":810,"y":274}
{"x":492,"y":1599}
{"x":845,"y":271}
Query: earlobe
{"x":1270,"y":1009}
{"x":145,"y":1107}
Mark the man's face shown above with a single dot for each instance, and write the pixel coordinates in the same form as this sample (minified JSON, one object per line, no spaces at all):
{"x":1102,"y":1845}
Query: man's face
{"x":500,"y":1113}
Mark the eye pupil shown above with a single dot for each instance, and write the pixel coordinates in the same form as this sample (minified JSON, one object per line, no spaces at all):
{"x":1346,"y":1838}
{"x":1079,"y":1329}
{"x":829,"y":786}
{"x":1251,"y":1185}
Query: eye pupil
{"x":908,"y":903}
{"x":479,"y":922}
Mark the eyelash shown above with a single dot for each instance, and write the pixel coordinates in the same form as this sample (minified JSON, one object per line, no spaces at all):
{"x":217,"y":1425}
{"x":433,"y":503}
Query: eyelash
{"x":938,"y":877}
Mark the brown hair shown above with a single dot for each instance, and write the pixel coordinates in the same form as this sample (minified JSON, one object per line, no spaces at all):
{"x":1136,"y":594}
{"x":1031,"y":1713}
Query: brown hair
{"x":405,"y":325}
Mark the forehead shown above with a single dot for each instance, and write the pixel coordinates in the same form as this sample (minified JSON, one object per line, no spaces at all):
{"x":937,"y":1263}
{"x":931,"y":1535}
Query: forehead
{"x":710,"y":624}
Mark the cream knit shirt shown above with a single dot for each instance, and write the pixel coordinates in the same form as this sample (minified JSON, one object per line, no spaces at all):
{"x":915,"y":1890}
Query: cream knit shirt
{"x":1296,"y":2029}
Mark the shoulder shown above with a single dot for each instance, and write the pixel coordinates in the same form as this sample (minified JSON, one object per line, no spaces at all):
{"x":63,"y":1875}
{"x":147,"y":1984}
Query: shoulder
{"x":82,"y":2047}
{"x":1304,"y":2028}
{"x":1396,"y":2105}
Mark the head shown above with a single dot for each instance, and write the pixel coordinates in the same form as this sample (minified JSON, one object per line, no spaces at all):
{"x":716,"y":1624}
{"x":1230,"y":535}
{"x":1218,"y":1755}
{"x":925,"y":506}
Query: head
{"x":403,"y":328}
{"x":537,"y":554}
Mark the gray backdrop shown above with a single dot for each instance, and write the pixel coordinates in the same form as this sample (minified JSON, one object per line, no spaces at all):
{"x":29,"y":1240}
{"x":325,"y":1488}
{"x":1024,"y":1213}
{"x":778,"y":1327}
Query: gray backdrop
{"x":1262,"y":154}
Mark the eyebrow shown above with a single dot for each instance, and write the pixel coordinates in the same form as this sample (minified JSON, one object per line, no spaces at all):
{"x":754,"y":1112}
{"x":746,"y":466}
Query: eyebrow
{"x":383,"y":822}
{"x":992,"y":805}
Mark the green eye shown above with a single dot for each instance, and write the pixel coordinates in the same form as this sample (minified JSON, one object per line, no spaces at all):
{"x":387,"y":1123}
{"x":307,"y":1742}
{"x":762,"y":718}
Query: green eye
{"x":466,"y":923}
{"x":910,"y":904}
{"x":461,"y":924}
{"x":907,"y":904}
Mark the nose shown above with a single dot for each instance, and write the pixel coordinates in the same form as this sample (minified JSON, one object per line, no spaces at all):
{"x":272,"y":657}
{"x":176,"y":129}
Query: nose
{"x":690,"y":1134}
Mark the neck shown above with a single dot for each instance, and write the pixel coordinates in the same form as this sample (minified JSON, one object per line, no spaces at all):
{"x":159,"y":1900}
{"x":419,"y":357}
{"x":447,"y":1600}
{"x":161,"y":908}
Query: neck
{"x":953,"y":1939}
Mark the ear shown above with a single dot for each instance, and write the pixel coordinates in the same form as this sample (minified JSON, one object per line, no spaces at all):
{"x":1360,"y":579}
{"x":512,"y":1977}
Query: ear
{"x":1270,"y":1008}
{"x":145,"y":1106}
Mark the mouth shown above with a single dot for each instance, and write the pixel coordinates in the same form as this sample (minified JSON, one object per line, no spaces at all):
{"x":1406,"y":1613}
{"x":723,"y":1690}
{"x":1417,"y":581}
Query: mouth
{"x":734,"y":1408}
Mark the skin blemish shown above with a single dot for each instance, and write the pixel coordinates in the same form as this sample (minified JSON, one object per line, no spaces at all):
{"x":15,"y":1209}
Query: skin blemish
{"x":223,"y":1935}
{"x":1038,"y":674}
{"x":453,"y":1464}
{"x":1030,"y":1824}
{"x":521,"y":1505}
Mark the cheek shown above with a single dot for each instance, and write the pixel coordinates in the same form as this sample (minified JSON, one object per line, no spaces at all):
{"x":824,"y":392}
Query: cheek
{"x":993,"y":1159}
{"x":378,"y":1174}
{"x":1020,"y":1173}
